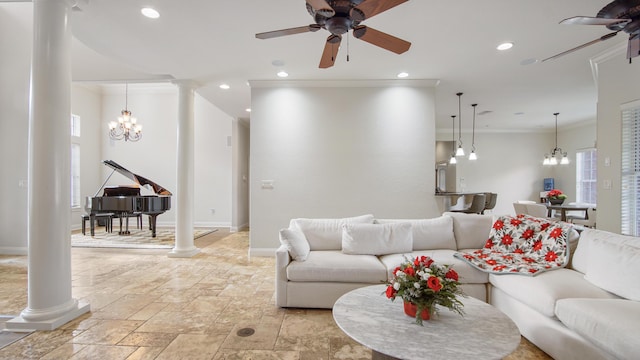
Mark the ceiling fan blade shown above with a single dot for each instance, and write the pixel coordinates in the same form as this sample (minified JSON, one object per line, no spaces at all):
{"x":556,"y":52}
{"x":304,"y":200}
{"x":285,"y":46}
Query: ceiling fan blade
{"x":322,"y":6}
{"x":590,"y":20}
{"x":291,"y":31}
{"x":383,"y":40}
{"x":330,"y":52}
{"x":602,"y":38}
{"x":371,"y":8}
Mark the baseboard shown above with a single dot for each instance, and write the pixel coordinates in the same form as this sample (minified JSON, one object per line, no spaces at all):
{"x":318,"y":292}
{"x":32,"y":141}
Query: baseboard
{"x":239,"y":228}
{"x":262,"y":252}
{"x":13,"y":250}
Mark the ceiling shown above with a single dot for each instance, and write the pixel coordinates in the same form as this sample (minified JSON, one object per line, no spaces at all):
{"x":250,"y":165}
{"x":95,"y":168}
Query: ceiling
{"x":213,"y":42}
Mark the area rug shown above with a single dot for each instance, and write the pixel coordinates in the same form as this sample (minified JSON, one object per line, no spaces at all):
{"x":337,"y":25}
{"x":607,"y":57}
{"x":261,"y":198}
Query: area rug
{"x":138,"y":239}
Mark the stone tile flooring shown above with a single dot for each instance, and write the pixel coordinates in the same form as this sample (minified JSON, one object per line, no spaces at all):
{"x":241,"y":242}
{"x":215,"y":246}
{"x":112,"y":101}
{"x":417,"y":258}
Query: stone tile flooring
{"x":145,"y":305}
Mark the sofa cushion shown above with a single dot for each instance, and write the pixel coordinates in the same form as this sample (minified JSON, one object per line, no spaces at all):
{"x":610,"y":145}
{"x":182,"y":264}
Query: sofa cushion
{"x":374,"y":239}
{"x":466,"y":273}
{"x":614,"y":267}
{"x":334,"y":266}
{"x":429,"y":234}
{"x":326,"y":234}
{"x":541,"y":292}
{"x":471,"y":231}
{"x":296,"y":243}
{"x":611,"y":324}
{"x":582,"y":255}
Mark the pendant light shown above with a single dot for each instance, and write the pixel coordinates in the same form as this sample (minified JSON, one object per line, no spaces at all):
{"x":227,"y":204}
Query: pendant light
{"x":472,"y":155}
{"x":556,"y":152}
{"x":460,"y":151}
{"x":453,"y":141}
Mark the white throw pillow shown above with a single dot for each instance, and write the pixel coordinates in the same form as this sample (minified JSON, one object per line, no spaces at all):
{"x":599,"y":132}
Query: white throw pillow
{"x":326,"y":234}
{"x":614,"y":267}
{"x":429,"y":234}
{"x":296,"y":244}
{"x":374,"y":239}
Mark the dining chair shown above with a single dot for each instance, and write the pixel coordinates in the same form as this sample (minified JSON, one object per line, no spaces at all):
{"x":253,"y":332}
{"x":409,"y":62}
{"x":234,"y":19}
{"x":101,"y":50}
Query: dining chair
{"x":536,"y":210}
{"x":520,"y":208}
{"x":589,"y":222}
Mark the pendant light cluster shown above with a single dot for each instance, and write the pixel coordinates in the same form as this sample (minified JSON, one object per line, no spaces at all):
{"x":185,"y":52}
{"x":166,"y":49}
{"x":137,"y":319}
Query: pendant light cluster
{"x":460,"y":150}
{"x":556,"y":152}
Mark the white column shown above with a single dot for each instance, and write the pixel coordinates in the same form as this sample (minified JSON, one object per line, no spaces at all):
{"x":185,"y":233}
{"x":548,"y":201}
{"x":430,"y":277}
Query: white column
{"x":184,"y":246}
{"x":49,"y":302}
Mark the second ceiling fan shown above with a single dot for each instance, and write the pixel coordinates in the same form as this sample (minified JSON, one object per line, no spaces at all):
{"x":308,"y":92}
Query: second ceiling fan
{"x":340,"y":16}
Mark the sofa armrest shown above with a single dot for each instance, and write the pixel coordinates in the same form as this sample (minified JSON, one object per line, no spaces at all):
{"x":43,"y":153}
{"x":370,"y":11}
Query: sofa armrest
{"x":282,"y":261}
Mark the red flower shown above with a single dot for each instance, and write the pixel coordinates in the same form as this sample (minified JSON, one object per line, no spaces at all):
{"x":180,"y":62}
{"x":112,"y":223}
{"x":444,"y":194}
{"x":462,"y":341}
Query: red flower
{"x":518,"y":251}
{"x":544,"y":226}
{"x":395,"y":271}
{"x":537,"y":245}
{"x":516,"y":222}
{"x":491,"y":262}
{"x":451,"y":274}
{"x":499,"y":267}
{"x":533,"y":271}
{"x":507,"y":240}
{"x":488,"y":244}
{"x":390,"y":291}
{"x":527,"y":234}
{"x":551,"y":256}
{"x":409,"y":271}
{"x":499,"y":224}
{"x":434,"y":283}
{"x":528,"y":259}
{"x":555,"y":233}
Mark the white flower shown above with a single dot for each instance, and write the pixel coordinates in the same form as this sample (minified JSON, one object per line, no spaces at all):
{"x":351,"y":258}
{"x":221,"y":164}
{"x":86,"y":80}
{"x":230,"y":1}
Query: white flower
{"x":416,"y":285}
{"x":396,"y":286}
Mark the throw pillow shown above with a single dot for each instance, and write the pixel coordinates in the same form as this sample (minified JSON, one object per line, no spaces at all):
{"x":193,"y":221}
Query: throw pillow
{"x":296,"y":244}
{"x":326,"y":234}
{"x":614,"y":267}
{"x":429,"y":234}
{"x":373,"y":239}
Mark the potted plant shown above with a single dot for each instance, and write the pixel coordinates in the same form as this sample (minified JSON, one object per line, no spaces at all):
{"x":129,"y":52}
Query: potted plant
{"x":422,"y":284}
{"x":556,"y":197}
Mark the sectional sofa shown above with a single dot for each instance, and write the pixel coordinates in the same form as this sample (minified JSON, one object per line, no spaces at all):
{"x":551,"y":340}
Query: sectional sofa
{"x":588,"y":310}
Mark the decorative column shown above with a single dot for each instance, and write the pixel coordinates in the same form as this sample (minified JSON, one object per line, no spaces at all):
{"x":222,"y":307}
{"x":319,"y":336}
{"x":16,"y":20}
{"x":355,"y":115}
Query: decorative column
{"x":49,"y":300}
{"x":184,"y":246}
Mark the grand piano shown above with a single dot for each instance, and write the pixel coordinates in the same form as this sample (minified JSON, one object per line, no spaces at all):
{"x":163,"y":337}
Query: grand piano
{"x":125,"y":201}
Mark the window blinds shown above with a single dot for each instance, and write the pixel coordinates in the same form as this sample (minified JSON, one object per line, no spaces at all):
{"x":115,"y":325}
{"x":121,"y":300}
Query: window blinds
{"x":630,"y":186}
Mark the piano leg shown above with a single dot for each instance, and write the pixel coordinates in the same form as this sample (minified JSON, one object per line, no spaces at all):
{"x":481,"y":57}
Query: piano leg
{"x":126,"y":232}
{"x":152,"y":224}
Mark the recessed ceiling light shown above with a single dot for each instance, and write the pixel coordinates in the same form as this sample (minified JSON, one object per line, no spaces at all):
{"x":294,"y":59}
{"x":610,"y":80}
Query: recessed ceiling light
{"x":505,"y":46}
{"x":248,"y":109}
{"x":150,"y":13}
{"x":402,"y":74}
{"x":282,"y":74}
{"x":225,"y":87}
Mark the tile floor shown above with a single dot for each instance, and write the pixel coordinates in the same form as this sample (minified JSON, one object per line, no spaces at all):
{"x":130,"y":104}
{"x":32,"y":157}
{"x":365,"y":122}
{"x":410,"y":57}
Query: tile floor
{"x":145,"y":305}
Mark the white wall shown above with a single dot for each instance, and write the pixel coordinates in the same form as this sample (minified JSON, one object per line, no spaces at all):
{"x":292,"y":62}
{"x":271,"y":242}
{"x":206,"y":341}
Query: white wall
{"x":338,"y":151}
{"x":618,"y":83}
{"x":15,"y":46}
{"x":154,"y":156}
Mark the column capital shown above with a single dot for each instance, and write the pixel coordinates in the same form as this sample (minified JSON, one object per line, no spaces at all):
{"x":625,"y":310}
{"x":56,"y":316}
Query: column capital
{"x":186,"y":83}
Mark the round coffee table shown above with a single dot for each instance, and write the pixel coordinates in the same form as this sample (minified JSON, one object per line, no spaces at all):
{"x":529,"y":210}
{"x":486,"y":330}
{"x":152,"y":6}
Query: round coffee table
{"x":368,"y":317}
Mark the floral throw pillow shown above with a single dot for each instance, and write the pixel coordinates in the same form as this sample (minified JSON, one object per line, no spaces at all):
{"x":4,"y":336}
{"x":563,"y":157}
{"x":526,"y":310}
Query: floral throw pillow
{"x":522,"y":245}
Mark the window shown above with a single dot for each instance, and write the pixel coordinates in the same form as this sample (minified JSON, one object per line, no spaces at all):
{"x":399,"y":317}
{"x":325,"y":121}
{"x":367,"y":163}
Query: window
{"x":586,"y":176}
{"x":630,"y":184}
{"x":75,"y":161}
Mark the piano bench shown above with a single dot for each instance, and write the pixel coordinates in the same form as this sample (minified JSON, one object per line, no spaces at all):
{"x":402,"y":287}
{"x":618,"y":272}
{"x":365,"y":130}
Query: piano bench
{"x":136,"y":215}
{"x":107,"y":217}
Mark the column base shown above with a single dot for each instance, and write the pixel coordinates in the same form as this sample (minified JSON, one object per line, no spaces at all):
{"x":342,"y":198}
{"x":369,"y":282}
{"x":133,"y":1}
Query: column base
{"x":175,"y":253}
{"x":19,"y":324}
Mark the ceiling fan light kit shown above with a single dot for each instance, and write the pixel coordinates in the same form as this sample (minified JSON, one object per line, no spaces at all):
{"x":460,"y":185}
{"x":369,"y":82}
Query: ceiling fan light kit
{"x":338,"y":17}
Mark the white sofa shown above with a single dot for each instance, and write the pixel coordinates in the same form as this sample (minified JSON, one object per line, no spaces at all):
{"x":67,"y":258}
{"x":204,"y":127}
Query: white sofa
{"x":590,"y":310}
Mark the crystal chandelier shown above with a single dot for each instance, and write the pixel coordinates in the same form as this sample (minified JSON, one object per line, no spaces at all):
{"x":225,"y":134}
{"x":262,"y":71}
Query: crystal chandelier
{"x":556,"y":152}
{"x":126,"y":127}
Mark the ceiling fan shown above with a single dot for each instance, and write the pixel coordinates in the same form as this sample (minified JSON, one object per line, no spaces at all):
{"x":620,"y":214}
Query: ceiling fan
{"x":340,"y":16}
{"x":619,"y":15}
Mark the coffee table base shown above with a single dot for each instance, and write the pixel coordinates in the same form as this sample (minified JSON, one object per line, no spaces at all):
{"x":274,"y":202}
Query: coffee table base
{"x":380,"y":356}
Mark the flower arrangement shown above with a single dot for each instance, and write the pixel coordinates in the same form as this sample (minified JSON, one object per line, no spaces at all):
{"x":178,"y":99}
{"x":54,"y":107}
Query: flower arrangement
{"x":556,"y":194}
{"x":426,"y":284}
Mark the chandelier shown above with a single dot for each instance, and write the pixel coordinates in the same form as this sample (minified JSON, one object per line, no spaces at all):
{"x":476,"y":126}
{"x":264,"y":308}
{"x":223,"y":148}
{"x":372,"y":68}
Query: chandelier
{"x":126,"y":127}
{"x":556,"y":152}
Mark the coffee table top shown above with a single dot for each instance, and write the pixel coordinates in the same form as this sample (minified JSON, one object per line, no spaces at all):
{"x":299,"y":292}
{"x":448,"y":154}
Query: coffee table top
{"x":368,"y":317}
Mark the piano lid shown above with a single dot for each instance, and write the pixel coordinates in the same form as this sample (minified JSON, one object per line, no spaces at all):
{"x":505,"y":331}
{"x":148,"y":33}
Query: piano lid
{"x":137,"y":178}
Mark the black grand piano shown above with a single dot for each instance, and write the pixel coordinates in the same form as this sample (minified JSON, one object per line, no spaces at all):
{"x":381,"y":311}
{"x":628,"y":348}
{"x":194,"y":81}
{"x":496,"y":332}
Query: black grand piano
{"x":124,"y":201}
